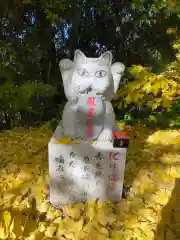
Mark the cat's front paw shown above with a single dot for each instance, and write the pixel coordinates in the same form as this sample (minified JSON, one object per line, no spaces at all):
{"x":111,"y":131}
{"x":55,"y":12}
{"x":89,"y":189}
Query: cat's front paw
{"x":105,"y":135}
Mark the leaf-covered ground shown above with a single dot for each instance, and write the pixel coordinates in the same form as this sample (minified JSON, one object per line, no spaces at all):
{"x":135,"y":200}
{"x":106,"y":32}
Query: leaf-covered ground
{"x":150,"y":211}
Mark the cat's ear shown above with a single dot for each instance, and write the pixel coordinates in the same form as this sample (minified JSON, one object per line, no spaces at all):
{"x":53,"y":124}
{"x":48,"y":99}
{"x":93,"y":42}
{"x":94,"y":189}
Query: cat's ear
{"x":106,"y":58}
{"x":79,"y":57}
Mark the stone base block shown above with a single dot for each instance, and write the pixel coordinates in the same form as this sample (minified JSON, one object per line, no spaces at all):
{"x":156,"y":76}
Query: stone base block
{"x":81,"y":171}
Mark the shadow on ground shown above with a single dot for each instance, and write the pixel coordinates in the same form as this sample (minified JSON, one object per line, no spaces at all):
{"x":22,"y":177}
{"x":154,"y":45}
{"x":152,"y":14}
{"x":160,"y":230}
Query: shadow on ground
{"x":169,"y":225}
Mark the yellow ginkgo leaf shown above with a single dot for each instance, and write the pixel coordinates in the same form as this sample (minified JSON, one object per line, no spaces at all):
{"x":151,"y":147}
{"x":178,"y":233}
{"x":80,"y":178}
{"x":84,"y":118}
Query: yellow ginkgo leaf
{"x":50,"y":231}
{"x":91,"y":213}
{"x":128,"y":99}
{"x":71,"y":225}
{"x":73,"y":212}
{"x":42,"y":227}
{"x":37,"y":236}
{"x":101,"y":237}
{"x":17,"y":201}
{"x":127,"y":234}
{"x":2,"y":231}
{"x":162,"y":199}
{"x":66,"y":233}
{"x":65,"y":140}
{"x":7,"y":218}
{"x":8,"y":197}
{"x":138,"y":234}
{"x":24,"y":204}
{"x":17,"y":182}
{"x":11,"y":226}
{"x":52,"y":212}
{"x":18,"y":225}
{"x":91,"y":209}
{"x":30,"y":226}
{"x":131,"y":221}
{"x":43,"y":207}
{"x":93,"y":228}
{"x":83,"y":235}
{"x":57,"y":238}
{"x":105,"y":217}
{"x":116,"y":233}
{"x":12,"y":235}
{"x":103,"y":231}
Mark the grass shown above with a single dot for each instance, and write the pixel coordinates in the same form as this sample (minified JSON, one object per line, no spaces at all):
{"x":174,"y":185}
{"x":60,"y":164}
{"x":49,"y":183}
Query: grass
{"x":150,"y":210}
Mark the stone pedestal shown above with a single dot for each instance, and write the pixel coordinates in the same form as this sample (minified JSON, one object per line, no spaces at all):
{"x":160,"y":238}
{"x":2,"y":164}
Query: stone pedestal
{"x":81,"y":171}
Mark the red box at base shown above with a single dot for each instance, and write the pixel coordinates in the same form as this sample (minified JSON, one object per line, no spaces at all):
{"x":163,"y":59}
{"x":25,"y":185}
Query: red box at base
{"x":120,"y":135}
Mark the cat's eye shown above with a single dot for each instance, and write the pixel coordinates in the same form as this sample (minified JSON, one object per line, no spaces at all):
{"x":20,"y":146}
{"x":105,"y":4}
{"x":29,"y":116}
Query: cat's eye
{"x":100,"y":73}
{"x":83,"y":72}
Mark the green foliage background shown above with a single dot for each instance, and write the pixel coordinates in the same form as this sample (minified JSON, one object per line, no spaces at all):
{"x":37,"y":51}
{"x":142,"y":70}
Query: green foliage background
{"x":144,"y":35}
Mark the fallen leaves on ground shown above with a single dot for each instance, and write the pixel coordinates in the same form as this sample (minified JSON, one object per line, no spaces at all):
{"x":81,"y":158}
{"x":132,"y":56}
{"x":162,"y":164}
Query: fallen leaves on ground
{"x":151,"y":210}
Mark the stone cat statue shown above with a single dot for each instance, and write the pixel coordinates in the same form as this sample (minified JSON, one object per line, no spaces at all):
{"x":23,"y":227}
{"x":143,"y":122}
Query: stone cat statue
{"x":85,"y":79}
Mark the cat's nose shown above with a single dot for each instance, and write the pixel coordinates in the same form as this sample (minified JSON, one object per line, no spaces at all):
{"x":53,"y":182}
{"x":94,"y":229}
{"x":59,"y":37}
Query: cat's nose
{"x":89,"y":89}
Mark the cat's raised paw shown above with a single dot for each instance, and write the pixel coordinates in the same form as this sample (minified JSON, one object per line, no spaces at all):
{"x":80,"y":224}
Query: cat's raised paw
{"x":65,"y":64}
